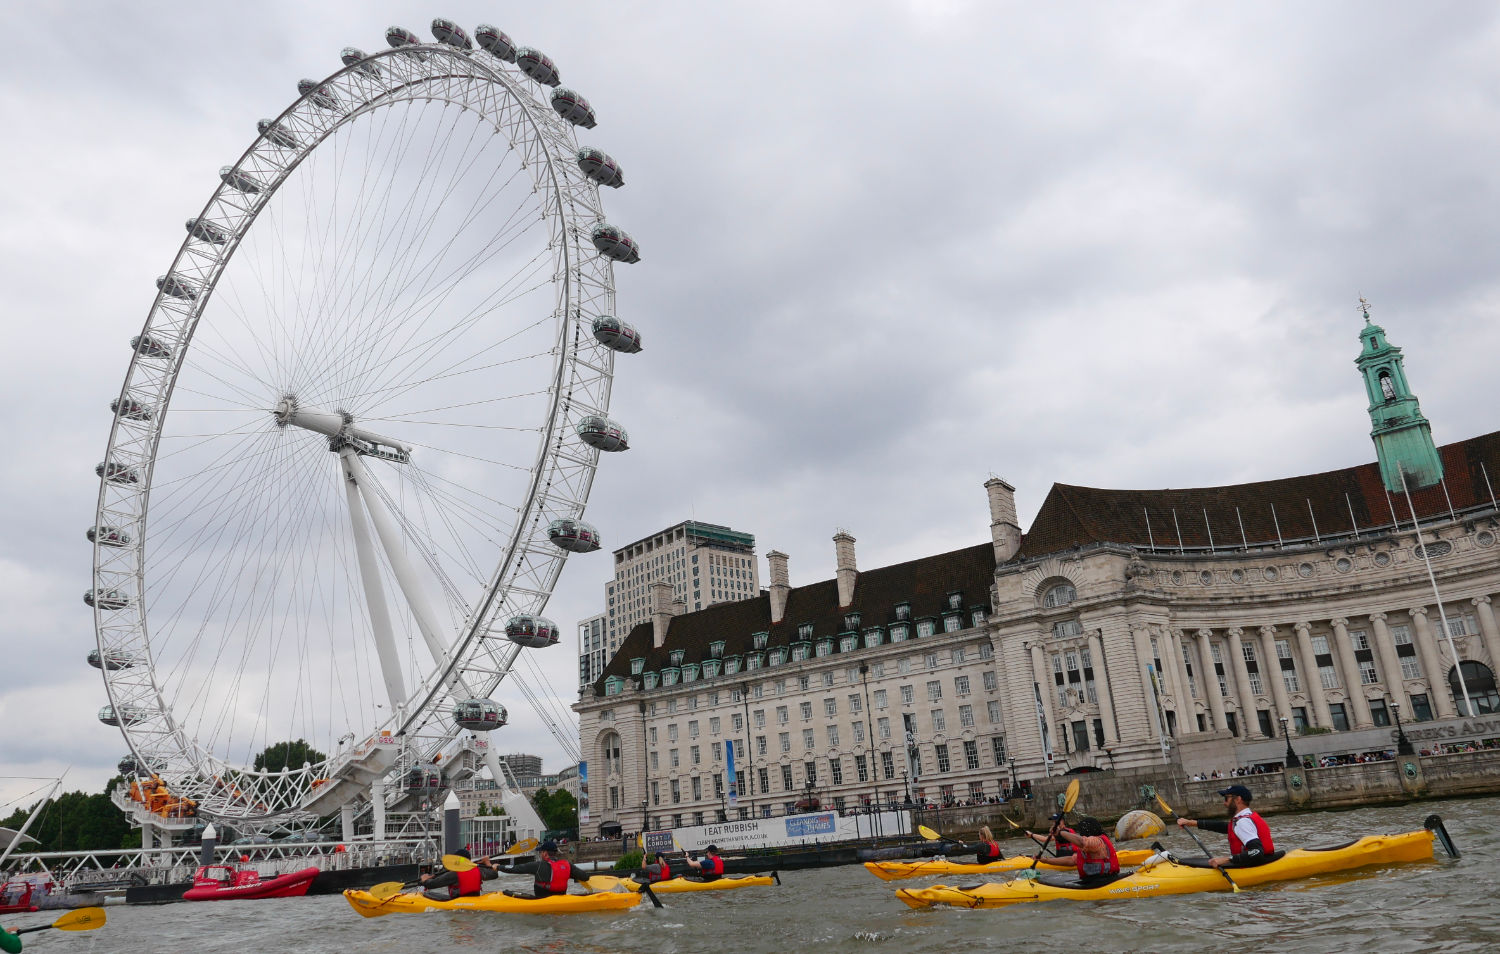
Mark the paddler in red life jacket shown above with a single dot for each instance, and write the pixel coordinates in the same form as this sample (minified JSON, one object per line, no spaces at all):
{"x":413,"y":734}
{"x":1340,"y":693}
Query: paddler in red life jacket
{"x":447,"y":885}
{"x":988,"y":850}
{"x":554,"y":873}
{"x":658,"y":870}
{"x":1249,"y":836}
{"x":710,"y":867}
{"x":1062,"y":848}
{"x":1093,"y":852}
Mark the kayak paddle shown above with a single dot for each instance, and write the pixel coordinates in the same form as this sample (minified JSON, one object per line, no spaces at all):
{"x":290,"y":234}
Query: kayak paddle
{"x":1201,"y":847}
{"x":1070,"y":798}
{"x":522,"y":847}
{"x":82,"y":919}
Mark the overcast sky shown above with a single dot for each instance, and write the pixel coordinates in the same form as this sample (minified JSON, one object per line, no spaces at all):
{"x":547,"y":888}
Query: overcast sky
{"x":889,"y":249}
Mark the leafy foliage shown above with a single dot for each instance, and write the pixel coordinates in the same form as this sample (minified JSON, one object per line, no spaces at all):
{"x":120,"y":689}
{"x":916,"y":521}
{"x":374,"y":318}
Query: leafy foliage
{"x":287,"y":755}
{"x":558,"y":808}
{"x":77,"y":821}
{"x":630,"y":861}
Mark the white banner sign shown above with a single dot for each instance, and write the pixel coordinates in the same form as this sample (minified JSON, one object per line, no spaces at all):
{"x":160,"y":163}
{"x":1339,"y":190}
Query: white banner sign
{"x":807,"y":829}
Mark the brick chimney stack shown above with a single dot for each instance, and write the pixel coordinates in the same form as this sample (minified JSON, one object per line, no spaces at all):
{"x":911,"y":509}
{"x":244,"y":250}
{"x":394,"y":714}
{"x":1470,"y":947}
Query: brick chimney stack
{"x":780,"y":584}
{"x":661,"y":611}
{"x":1005,"y":530}
{"x":843,"y":551}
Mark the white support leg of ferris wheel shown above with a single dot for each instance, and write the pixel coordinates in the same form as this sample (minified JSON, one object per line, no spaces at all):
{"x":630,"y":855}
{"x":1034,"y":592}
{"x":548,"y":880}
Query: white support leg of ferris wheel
{"x":380,"y":616}
{"x":377,"y":809}
{"x":390,"y":541}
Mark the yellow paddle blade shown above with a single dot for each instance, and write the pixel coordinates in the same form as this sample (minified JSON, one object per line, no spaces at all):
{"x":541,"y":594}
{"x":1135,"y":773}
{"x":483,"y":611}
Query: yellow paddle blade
{"x":386,"y":889}
{"x":1138,"y":824}
{"x":1071,"y":798}
{"x":457,"y":863}
{"x":1008,"y":821}
{"x":1163,"y":803}
{"x":640,"y":841}
{"x":608,"y":883}
{"x":521,"y":847}
{"x":928,"y":833}
{"x":83,"y":919}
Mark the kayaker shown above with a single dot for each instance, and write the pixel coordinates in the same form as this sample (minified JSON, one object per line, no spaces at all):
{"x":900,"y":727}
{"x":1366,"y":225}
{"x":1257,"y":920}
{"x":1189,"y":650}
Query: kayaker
{"x":447,"y":885}
{"x":1094,"y":853}
{"x":988,"y":850}
{"x":1249,"y":836}
{"x":553,"y":873}
{"x":710,"y":867}
{"x":1062,"y":849}
{"x":658,"y":870}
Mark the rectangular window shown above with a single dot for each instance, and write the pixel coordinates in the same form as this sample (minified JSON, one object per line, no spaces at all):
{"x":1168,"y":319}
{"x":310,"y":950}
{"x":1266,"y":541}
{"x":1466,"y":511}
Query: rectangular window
{"x":786,"y":778}
{"x":764,"y":777}
{"x":697,"y":788}
{"x":956,"y":656}
{"x":1401,"y":634}
{"x":653,"y":735}
{"x":693,"y":729}
{"x":1410,"y":668}
{"x":1283,"y":649}
{"x":991,"y":682}
{"x":908,"y":695}
{"x":1359,"y":639}
{"x":880,"y":699}
{"x":861,"y":769}
{"x":655,"y":793}
{"x":1289,"y":679}
{"x":833,"y":737}
{"x":828,"y":678}
{"x":887,"y":766}
{"x":804,"y":682}
{"x":713,"y":725}
{"x":760,"y":745}
{"x":836,"y":771}
{"x":1420,"y":708}
{"x":697,"y":755}
{"x":760,"y":718}
{"x":966,"y":716}
{"x":1320,"y":645}
{"x":806,"y":711}
{"x":939,"y":721}
{"x":942,"y":757}
{"x":934,"y":691}
{"x":1378,"y":712}
{"x":1367,"y":673}
{"x":932,"y":660}
{"x":673,"y":759}
{"x":1339,"y":715}
{"x":883,"y":727}
{"x":676,"y":792}
{"x":994,"y":712}
{"x":807,"y":738}
{"x":810,"y":772}
{"x":1248,"y":651}
{"x":997,"y":746}
{"x":1328,"y":676}
{"x":738,"y":721}
{"x":903,"y":666}
{"x":960,"y":685}
{"x":971,"y":754}
{"x":672,"y":732}
{"x":1255,"y":685}
{"x":654,"y":765}
{"x":781,"y":715}
{"x":830,"y":707}
{"x":986,"y":651}
{"x":859,"y":732}
{"x":856,"y":704}
{"x":786,"y":741}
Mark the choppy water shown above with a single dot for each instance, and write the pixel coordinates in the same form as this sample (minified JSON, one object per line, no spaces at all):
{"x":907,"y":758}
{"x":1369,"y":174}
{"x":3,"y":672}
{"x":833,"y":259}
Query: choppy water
{"x":1439,"y":906}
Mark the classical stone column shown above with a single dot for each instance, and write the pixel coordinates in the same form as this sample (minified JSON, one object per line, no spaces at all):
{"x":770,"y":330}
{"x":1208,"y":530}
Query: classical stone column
{"x":1390,"y":664}
{"x":1102,"y":689}
{"x":1354,"y":690}
{"x":1142,"y":639}
{"x":1042,"y":677}
{"x":1187,"y":713}
{"x":1433,"y":664}
{"x":1210,"y":679}
{"x":1168,"y":677}
{"x":1311,"y":675}
{"x":1272,"y":662}
{"x":1488,"y":631}
{"x":1249,"y":725}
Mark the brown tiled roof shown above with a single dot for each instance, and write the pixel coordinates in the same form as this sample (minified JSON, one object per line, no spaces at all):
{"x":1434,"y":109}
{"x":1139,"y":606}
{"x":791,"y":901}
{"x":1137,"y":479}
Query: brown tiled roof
{"x":1073,"y":516}
{"x":924,"y":583}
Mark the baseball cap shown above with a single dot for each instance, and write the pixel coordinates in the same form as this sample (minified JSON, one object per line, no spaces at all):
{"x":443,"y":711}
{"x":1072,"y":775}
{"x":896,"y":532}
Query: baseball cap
{"x":548,"y":845}
{"x":1239,"y":790}
{"x":713,"y":849}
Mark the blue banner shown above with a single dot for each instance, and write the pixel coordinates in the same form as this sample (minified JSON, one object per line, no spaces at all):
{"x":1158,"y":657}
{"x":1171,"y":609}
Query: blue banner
{"x":583,"y":793}
{"x":734,"y":789}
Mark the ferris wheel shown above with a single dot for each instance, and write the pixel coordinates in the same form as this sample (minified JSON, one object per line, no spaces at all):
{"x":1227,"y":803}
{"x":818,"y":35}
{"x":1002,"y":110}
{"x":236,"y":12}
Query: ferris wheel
{"x":357,"y":433}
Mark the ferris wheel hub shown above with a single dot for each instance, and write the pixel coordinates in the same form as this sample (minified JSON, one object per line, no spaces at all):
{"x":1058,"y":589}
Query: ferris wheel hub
{"x":339,"y":428}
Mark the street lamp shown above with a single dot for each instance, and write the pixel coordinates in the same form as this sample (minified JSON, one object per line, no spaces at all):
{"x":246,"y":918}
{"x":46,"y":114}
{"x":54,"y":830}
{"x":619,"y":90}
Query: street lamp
{"x":1403,"y":744}
{"x":1292,"y":762}
{"x":1109,"y":754}
{"x":1013,"y":779}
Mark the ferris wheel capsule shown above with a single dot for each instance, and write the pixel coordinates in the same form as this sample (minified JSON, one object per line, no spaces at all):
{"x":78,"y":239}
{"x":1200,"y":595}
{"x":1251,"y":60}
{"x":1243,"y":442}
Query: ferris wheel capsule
{"x":451,"y":33}
{"x":118,"y":473}
{"x":574,"y":108}
{"x":575,"y":536}
{"x":424,"y":778}
{"x":479,"y":715}
{"x":603,"y":433}
{"x":496,"y":42}
{"x":206,"y":231}
{"x":132,"y":409}
{"x":107,"y":599}
{"x":614,"y":242}
{"x":533,"y":632}
{"x":597,"y":165}
{"x":320,"y":97}
{"x":128,"y":766}
{"x":108,"y":536}
{"x":123,"y":715}
{"x":616,"y":334}
{"x":114,"y":659}
{"x":537,"y":65}
{"x":399,"y":37}
{"x":149,"y":347}
{"x":360,"y":60}
{"x":240,"y":182}
{"x":175,"y":287}
{"x":277,"y":136}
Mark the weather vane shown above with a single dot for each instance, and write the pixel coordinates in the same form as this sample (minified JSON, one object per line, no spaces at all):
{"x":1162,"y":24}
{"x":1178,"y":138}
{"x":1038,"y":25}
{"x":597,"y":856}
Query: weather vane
{"x":1364,"y":307}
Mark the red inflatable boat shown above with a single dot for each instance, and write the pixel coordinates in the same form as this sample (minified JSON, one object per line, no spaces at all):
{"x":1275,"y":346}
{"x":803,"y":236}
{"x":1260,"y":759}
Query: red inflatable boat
{"x":223,"y":883}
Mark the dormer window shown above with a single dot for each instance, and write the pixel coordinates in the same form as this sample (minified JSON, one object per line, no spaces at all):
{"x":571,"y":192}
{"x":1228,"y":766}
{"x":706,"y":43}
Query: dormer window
{"x":651,"y":680}
{"x":690,"y":672}
{"x":899,"y":632}
{"x":777,"y":656}
{"x":613,"y":685}
{"x":955,"y":601}
{"x":731,"y":665}
{"x":851,"y":621}
{"x":716,"y":649}
{"x":710,"y":668}
{"x":872,"y":638}
{"x":805,"y":631}
{"x":825,"y":646}
{"x":925,"y":628}
{"x":801,"y":651}
{"x":847,"y":644}
{"x":903,"y":611}
{"x":637,"y":666}
{"x":677,"y":655}
{"x":761,"y":639}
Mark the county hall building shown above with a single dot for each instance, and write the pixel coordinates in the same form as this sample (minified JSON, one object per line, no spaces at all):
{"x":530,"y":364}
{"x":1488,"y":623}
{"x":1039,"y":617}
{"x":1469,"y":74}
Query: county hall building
{"x":1206,"y":628}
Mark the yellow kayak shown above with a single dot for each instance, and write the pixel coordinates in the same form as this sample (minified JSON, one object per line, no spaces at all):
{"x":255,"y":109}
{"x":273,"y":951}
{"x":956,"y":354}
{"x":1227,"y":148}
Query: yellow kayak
{"x":1173,"y":877}
{"x":680,"y":885}
{"x":899,"y":870}
{"x":371,"y":907}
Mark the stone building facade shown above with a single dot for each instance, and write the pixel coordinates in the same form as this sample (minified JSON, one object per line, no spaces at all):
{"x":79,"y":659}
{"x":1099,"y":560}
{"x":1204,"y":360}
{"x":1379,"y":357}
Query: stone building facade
{"x":1123,"y":629}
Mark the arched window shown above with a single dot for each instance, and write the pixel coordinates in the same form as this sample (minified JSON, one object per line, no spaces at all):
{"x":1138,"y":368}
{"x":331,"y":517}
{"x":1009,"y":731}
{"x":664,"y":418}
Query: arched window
{"x":1060,"y":595}
{"x":1386,"y":388}
{"x":1481,"y":683}
{"x":609,"y":752}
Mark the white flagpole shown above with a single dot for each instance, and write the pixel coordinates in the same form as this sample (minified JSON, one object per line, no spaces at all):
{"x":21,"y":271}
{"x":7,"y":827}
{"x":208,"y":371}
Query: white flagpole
{"x":1458,"y":663}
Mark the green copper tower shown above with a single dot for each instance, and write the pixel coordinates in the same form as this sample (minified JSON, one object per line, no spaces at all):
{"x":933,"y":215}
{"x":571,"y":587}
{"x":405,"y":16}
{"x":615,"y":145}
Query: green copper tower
{"x":1403,"y":438}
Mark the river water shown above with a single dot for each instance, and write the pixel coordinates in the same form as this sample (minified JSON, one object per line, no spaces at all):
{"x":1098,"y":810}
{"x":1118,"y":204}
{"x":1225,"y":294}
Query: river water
{"x":1444,"y":905}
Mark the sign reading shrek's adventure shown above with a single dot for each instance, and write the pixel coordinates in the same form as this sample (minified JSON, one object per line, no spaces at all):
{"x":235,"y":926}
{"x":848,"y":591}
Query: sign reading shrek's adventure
{"x":806,"y":829}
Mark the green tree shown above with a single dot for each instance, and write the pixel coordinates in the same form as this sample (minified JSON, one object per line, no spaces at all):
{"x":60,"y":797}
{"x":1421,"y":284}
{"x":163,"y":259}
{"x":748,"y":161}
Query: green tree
{"x":287,"y":755}
{"x":75,"y":821}
{"x":558,"y":809}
